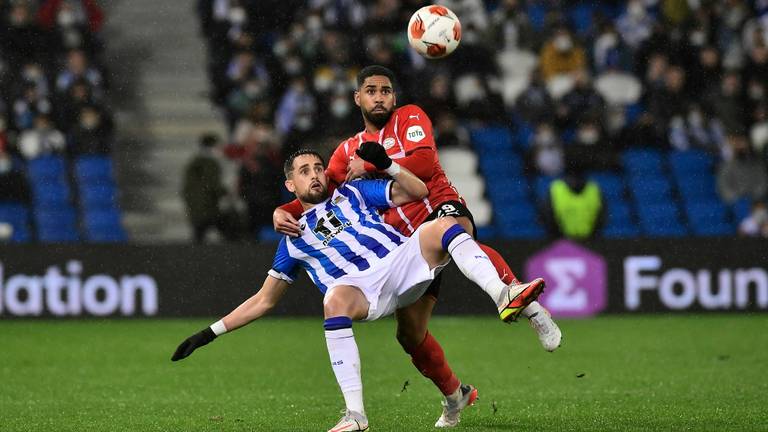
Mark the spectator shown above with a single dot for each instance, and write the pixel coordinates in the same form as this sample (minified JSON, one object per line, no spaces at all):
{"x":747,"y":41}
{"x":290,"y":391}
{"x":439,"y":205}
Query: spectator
{"x":610,"y":52}
{"x":29,"y":105}
{"x":92,"y":135}
{"x":449,"y":133}
{"x":535,"y":104}
{"x":561,"y":55}
{"x":73,"y":24}
{"x":574,"y":207}
{"x":581,"y":101}
{"x":295,"y":116}
{"x":546,"y":155}
{"x":635,"y":25}
{"x":512,"y":30}
{"x":591,"y":150}
{"x":727,"y":104}
{"x":743,"y":176}
{"x":202,"y":190}
{"x":77,"y":68}
{"x":669,"y":104}
{"x":42,"y":140}
{"x":20,"y":39}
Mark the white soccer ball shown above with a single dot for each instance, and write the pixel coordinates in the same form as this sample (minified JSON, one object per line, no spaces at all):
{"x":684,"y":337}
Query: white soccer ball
{"x":434,"y":31}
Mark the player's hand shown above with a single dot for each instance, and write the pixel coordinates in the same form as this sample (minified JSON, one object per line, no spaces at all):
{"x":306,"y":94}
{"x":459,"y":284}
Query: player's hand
{"x":192,"y":343}
{"x":374,"y":153}
{"x":285,"y":223}
{"x":355,"y":169}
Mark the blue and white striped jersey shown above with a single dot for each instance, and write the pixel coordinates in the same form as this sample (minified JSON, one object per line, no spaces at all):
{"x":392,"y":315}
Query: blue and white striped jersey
{"x":342,"y":235}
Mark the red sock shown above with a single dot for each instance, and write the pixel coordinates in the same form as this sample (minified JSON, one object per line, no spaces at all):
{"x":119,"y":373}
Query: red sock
{"x":429,"y":359}
{"x":502,"y":268}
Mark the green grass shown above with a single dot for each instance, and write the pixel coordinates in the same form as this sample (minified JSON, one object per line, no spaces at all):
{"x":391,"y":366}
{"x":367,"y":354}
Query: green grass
{"x":640,"y":373}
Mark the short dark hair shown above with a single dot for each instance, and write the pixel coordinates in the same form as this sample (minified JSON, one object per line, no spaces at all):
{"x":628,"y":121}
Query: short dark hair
{"x":208,"y":140}
{"x":372,"y":70}
{"x":288,"y":165}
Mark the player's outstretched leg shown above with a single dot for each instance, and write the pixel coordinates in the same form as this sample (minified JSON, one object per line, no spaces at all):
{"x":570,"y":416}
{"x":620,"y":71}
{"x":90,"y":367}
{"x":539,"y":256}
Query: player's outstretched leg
{"x":541,"y":321}
{"x":341,"y":305}
{"x":446,"y":235}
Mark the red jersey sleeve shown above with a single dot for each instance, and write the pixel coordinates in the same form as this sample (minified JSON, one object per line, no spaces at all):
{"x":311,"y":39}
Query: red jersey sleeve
{"x":414,"y":129}
{"x":337,"y":164}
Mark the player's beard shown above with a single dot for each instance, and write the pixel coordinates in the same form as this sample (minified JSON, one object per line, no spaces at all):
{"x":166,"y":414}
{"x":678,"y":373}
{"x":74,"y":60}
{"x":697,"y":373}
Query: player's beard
{"x":378,"y":118}
{"x":312,"y":196}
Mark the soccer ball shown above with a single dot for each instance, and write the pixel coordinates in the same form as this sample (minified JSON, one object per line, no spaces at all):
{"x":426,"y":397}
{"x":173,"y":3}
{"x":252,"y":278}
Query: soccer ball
{"x":434,"y":31}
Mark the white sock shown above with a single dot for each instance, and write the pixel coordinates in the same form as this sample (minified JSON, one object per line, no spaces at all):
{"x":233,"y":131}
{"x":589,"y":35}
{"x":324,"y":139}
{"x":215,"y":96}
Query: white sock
{"x":532,"y":309}
{"x":476,"y":265}
{"x":345,"y":361}
{"x":455,"y":397}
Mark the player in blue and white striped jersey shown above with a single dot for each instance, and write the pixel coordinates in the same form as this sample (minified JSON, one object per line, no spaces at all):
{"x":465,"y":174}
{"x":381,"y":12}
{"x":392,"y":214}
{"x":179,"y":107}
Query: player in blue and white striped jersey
{"x":365,"y":269}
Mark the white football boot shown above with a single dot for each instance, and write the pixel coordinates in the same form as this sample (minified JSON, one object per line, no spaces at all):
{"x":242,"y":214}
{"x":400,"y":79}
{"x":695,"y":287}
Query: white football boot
{"x":351,"y":421}
{"x":546,"y":329}
{"x":452,"y":409}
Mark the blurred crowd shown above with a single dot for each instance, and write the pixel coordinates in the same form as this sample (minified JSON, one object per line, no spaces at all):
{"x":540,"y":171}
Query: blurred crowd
{"x":52,"y":86}
{"x":578,"y":81}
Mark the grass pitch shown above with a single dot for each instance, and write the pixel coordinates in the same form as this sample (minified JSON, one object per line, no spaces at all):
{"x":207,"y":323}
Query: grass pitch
{"x":611,"y":374}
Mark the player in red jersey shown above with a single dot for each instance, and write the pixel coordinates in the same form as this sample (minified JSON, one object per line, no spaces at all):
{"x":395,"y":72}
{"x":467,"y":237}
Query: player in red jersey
{"x":406,"y":135}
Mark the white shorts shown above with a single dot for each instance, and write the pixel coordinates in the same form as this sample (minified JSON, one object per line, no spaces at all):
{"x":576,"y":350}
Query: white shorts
{"x":395,"y":281}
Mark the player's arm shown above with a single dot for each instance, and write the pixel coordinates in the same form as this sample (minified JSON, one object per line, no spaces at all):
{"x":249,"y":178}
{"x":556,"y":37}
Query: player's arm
{"x":406,"y":187}
{"x":250,"y":310}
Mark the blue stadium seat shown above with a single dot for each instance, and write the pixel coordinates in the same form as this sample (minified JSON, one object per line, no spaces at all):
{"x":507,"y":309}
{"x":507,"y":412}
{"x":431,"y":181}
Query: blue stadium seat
{"x":503,"y":164}
{"x":514,"y":214}
{"x":526,"y":231}
{"x":722,"y":229}
{"x":93,"y":169}
{"x":104,"y":226}
{"x":621,"y":231}
{"x":690,"y":162}
{"x":674,"y":229}
{"x":541,"y":188}
{"x":491,"y":139}
{"x":16,"y":215}
{"x":709,"y":218}
{"x":56,"y":226}
{"x":700,"y":187}
{"x":642,"y":161}
{"x":650,"y":189}
{"x":487,"y":232}
{"x":580,"y":17}
{"x":46,"y":168}
{"x":611,"y":184}
{"x":618,"y":212}
{"x":741,"y":209}
{"x":506,"y":189}
{"x":49,"y":195}
{"x":98,"y":196}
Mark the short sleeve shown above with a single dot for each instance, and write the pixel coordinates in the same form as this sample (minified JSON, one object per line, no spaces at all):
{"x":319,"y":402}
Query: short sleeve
{"x":375,"y":193}
{"x":284,"y":266}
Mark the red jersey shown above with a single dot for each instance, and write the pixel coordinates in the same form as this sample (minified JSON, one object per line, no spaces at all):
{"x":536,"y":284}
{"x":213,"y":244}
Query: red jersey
{"x":408,"y":139}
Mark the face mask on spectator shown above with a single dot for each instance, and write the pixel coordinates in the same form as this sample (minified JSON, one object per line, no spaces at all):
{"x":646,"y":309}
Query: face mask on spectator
{"x":5,"y":164}
{"x":697,"y":38}
{"x":293,"y":66}
{"x":636,"y":10}
{"x":31,"y":73}
{"x":695,"y":118}
{"x":589,"y":136}
{"x":89,"y":121}
{"x":314,"y":23}
{"x":340,"y":108}
{"x":253,"y":89}
{"x":608,"y":40}
{"x":304,"y":122}
{"x":759,"y":135}
{"x":756,"y":91}
{"x":563,"y":43}
{"x":237,"y":16}
{"x":65,"y":18}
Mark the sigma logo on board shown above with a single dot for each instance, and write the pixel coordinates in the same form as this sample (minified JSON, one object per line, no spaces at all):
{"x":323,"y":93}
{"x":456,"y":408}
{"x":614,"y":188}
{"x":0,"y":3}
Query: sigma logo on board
{"x":68,"y":293}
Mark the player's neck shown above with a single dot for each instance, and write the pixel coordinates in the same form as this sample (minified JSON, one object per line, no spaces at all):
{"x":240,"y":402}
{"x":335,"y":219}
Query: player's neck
{"x":370,"y":128}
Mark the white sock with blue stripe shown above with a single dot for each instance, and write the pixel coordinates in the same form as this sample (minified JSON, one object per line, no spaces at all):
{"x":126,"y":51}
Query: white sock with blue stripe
{"x":472,"y":261}
{"x":345,"y":361}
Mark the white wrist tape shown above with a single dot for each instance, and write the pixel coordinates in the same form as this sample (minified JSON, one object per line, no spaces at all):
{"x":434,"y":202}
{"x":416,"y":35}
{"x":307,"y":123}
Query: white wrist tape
{"x":393,"y":169}
{"x":218,"y":327}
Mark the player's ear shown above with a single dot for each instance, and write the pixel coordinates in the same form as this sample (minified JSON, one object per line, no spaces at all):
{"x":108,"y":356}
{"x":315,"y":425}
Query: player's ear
{"x":290,"y":186}
{"x":357,"y":97}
